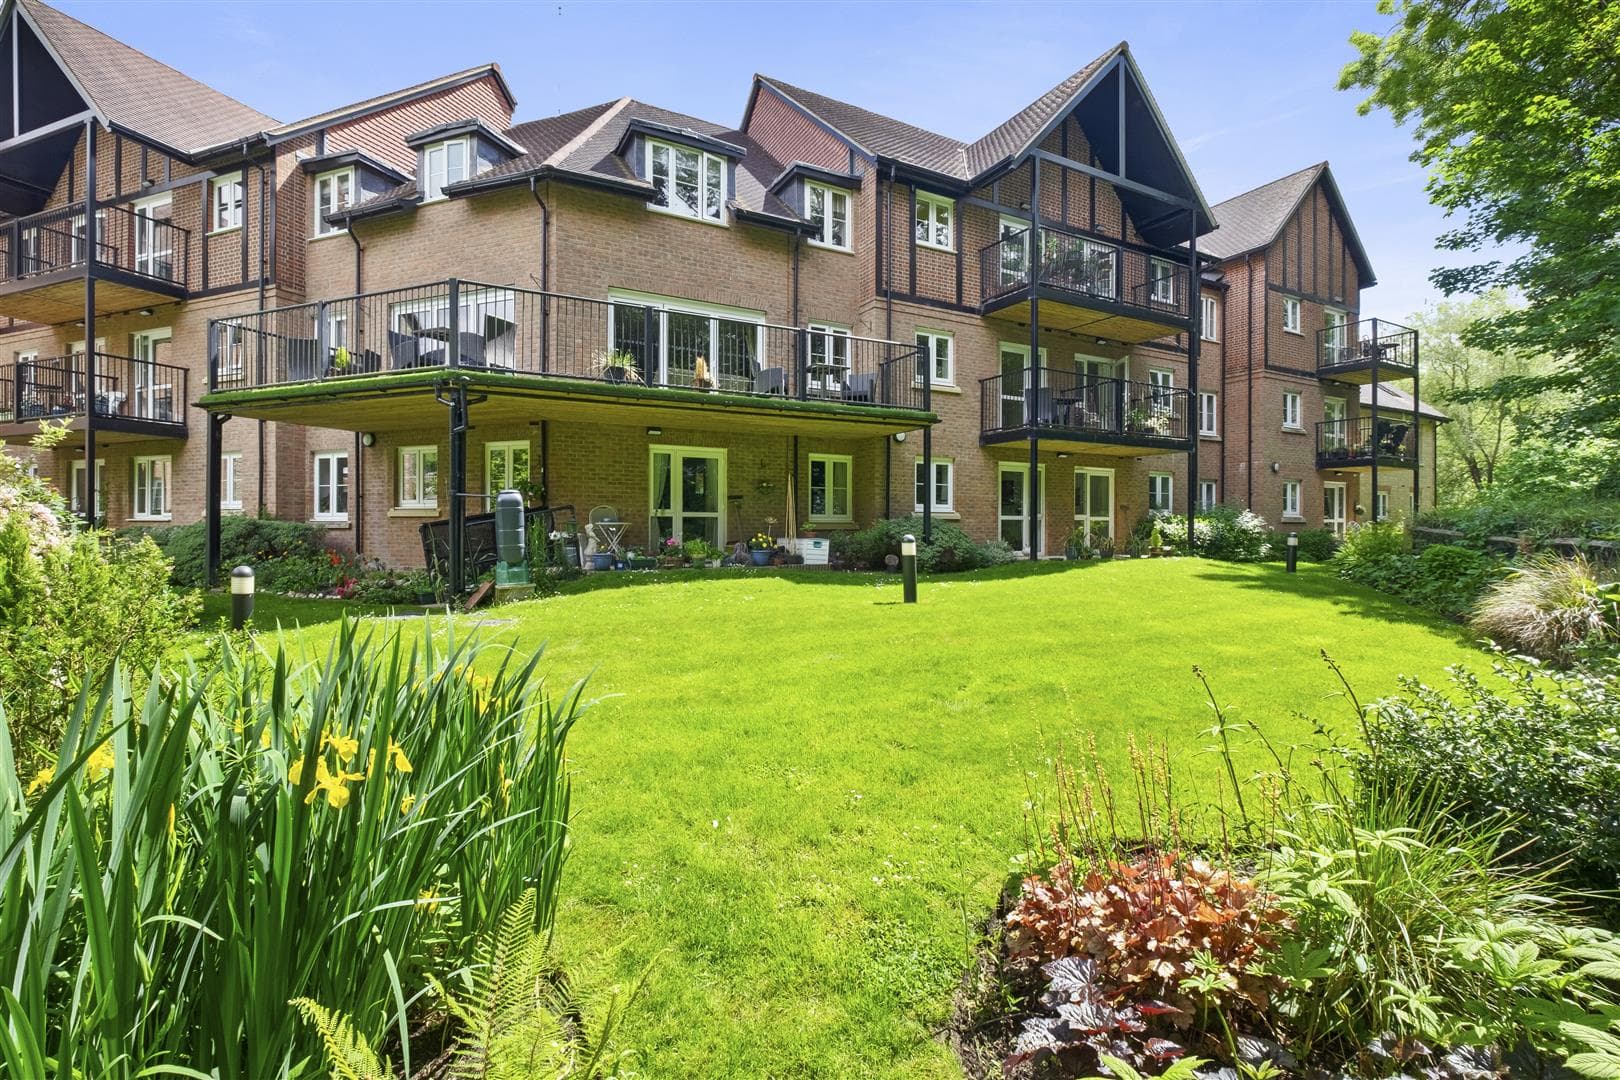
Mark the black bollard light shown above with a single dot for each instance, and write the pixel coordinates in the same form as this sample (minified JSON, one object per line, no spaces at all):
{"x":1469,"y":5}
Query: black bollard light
{"x":908,"y":566}
{"x":241,"y":596}
{"x":1293,"y":551}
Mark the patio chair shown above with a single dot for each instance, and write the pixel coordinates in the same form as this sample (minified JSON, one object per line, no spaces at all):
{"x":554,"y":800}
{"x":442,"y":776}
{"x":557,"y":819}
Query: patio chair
{"x":403,"y":349}
{"x":472,"y":349}
{"x":861,"y":387}
{"x":500,"y":351}
{"x":301,"y":359}
{"x":771,"y":380}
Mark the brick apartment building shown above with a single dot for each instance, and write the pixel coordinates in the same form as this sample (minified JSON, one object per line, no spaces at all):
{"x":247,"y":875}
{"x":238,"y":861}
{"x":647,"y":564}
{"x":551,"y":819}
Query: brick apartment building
{"x":373,"y":317}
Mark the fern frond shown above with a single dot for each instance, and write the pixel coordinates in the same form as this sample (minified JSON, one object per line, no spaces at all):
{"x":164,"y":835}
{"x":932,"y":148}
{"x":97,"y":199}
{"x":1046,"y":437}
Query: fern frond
{"x":347,"y":1052}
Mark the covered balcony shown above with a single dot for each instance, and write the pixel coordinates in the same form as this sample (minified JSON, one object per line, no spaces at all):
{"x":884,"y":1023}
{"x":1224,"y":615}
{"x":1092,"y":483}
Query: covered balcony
{"x":1371,"y":350}
{"x":1085,"y":285}
{"x":1065,"y":409}
{"x":132,"y":399}
{"x":383,"y":355}
{"x":1358,"y":443}
{"x":137,"y":258}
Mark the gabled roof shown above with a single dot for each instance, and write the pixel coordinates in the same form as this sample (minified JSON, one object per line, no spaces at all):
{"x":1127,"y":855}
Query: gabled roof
{"x":1014,"y":134}
{"x":878,"y":135}
{"x":397,"y":97}
{"x":1394,"y":399}
{"x":1253,"y":220}
{"x":132,"y":91}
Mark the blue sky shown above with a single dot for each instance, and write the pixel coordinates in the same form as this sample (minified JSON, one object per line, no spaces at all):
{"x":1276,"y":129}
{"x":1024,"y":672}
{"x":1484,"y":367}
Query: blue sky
{"x":1248,"y":88}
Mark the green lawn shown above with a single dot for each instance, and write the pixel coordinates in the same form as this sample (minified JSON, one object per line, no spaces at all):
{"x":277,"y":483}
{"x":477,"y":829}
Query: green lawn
{"x":798,"y":798}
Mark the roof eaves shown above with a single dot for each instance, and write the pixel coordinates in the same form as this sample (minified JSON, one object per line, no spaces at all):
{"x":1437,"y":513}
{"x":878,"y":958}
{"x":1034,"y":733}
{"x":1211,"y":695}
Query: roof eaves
{"x":640,"y":125}
{"x":338,"y":159}
{"x":370,"y":105}
{"x":814,"y":172}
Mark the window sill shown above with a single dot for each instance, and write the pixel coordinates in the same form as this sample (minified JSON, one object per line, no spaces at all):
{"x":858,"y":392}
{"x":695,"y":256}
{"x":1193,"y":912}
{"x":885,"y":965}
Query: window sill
{"x":151,"y":517}
{"x":413,"y":511}
{"x":329,"y":235}
{"x":335,"y":523}
{"x":936,"y":247}
{"x":945,"y":515}
{"x":1211,"y":340}
{"x":829,"y":526}
{"x":230,"y":508}
{"x":1296,"y":333}
{"x":834,"y":248}
{"x":1209,"y":436}
{"x":225,"y":231}
{"x":1294,"y":519}
{"x":1293,"y":429}
{"x":938,"y":388}
{"x":667,"y":212}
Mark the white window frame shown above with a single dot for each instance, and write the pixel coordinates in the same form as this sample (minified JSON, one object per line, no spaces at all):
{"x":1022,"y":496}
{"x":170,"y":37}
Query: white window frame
{"x":1293,"y":417}
{"x":76,"y":484}
{"x":1336,"y":524}
{"x":220,"y":201}
{"x":715,"y":313}
{"x":1209,"y":495}
{"x":322,"y":227}
{"x":829,"y":197}
{"x":672,"y":204}
{"x":146,"y":468}
{"x":432,"y":186}
{"x":229,"y":476}
{"x":1162,"y":272}
{"x":1291,"y":501}
{"x":1292,"y":318}
{"x":828,"y":462}
{"x":934,"y":211}
{"x":676,"y":511}
{"x":338,"y":466}
{"x":1209,"y":321}
{"x":1335,"y":411}
{"x":1085,"y":473}
{"x":944,"y":468}
{"x":150,"y":234}
{"x":1209,"y":414}
{"x":506,"y":447}
{"x":1161,"y":380}
{"x":1169,"y":484}
{"x":1381,"y":504}
{"x":422,"y":498}
{"x":934,"y":339}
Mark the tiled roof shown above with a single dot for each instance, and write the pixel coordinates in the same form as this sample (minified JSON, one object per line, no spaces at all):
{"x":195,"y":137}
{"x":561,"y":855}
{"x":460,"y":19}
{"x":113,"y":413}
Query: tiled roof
{"x":394,"y":97}
{"x":1253,"y":219}
{"x":881,"y":135}
{"x":133,"y":91}
{"x":1397,"y":400}
{"x":1015,"y":133}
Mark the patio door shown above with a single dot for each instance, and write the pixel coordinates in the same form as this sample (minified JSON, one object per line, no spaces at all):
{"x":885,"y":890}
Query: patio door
{"x":1334,"y":435}
{"x":1012,"y":504}
{"x":1013,"y":235}
{"x":688,"y":493}
{"x":154,"y":246}
{"x":1094,"y":504}
{"x":1097,"y":387}
{"x":1333,"y":507}
{"x":1017,"y":378}
{"x":152,"y":392}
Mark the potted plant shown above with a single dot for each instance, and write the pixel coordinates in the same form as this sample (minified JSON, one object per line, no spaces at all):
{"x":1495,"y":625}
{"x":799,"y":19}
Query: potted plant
{"x":698,"y":551}
{"x":617,"y":366}
{"x":427,"y":586}
{"x":601,"y":560}
{"x":1136,"y":418}
{"x":760,"y":547}
{"x":1105,"y":547}
{"x":1073,"y":545}
{"x":671,"y":554}
{"x":1156,"y":541}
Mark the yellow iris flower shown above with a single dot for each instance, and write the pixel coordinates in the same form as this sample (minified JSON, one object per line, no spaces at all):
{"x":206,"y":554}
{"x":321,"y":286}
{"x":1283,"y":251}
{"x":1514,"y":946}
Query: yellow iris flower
{"x":100,"y":762}
{"x":41,"y":780}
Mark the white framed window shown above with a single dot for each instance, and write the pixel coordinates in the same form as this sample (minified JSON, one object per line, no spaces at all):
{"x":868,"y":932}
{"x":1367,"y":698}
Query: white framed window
{"x":1382,"y":505}
{"x":694,"y":344}
{"x":1161,"y":491}
{"x":828,"y":355}
{"x":1209,"y":323}
{"x":154,"y":238}
{"x":1162,"y":272}
{"x":1207,"y":495}
{"x":150,"y":498}
{"x":419,"y":477}
{"x":1336,"y":338}
{"x":936,"y":357}
{"x":830,"y":487}
{"x":1291,"y":499}
{"x":1209,"y":412}
{"x":828,"y":209}
{"x":443,"y":164}
{"x":76,"y":487}
{"x":1293,"y":411}
{"x":506,"y":465}
{"x":686,"y":181}
{"x":941,"y":487}
{"x":1094,"y":503}
{"x":1335,"y":433}
{"x":1291,"y":316}
{"x":332,"y":486}
{"x":334,"y":191}
{"x":936,"y":221}
{"x":225,"y":203}
{"x":1160,"y":382}
{"x":230,"y":465}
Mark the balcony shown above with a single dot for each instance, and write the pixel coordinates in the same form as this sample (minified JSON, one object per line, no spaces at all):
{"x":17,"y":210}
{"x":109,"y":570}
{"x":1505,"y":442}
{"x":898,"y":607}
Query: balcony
{"x":133,"y":399}
{"x":1367,"y":351}
{"x":1086,"y":286}
{"x":45,"y":258}
{"x":581,"y":355}
{"x":1067,"y":409}
{"x":1353,"y":444}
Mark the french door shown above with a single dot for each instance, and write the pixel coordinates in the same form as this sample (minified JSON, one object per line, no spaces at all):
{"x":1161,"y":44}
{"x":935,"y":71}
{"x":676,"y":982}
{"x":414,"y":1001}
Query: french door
{"x":688,"y":493}
{"x":1334,"y":435}
{"x":154,"y":245}
{"x":1017,"y":378}
{"x":1013,"y":235}
{"x":153,"y":394}
{"x":1098,"y":389}
{"x":1333,"y":507}
{"x":1012,"y":480}
{"x":1094,"y":504}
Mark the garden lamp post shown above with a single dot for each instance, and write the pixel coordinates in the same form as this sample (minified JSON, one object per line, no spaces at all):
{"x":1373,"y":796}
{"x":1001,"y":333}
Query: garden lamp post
{"x":1293,"y":551}
{"x":241,"y":596}
{"x":908,"y":566}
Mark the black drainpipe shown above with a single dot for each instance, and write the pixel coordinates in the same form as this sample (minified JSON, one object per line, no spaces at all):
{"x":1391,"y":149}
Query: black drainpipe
{"x":261,"y":276}
{"x":357,"y":473}
{"x":545,"y":282}
{"x":885,"y":212}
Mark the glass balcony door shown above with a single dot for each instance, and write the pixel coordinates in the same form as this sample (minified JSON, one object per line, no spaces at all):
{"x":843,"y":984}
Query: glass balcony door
{"x":688,"y":493}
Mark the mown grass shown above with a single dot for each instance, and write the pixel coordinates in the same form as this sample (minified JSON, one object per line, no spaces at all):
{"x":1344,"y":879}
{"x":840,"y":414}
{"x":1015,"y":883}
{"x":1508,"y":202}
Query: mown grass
{"x":799,"y":798}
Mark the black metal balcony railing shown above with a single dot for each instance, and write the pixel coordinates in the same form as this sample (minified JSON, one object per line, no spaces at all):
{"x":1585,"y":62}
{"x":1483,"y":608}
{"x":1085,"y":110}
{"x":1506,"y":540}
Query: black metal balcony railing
{"x":1061,"y":401}
{"x":125,"y":388}
{"x":126,"y":239}
{"x":1085,"y":267}
{"x":1355,"y":441}
{"x":503,"y":329}
{"x":1361,"y":345}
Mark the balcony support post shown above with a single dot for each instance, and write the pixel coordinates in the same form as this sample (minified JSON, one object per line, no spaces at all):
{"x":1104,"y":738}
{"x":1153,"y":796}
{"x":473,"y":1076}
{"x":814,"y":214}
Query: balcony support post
{"x":927,"y":446}
{"x":457,"y":401}
{"x":1032,"y":496}
{"x":1372,"y":441}
{"x":215,"y":482}
{"x":87,"y":502}
{"x":1032,"y":391}
{"x":1195,"y":311}
{"x":1417,"y":433}
{"x":452,"y":347}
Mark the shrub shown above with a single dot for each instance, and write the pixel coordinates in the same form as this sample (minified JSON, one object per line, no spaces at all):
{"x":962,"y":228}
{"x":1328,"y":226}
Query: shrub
{"x":286,"y":556}
{"x":1318,"y":545}
{"x":271,"y":829}
{"x":1540,"y":746}
{"x":1548,"y":608}
{"x":1230,"y":533}
{"x":1541,"y":517}
{"x":1450,"y":579}
{"x":950,"y":549}
{"x":66,"y":613}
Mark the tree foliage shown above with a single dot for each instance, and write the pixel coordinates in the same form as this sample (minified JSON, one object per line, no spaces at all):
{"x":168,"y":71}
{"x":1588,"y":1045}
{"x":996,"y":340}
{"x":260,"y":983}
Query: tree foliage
{"x":1514,"y":105}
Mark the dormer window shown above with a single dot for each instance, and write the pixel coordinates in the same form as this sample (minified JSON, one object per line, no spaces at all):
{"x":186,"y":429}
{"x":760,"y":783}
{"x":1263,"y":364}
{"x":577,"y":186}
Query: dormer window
{"x":443,"y":163}
{"x":685,"y":181}
{"x":827,"y":210}
{"x":334,"y":191}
